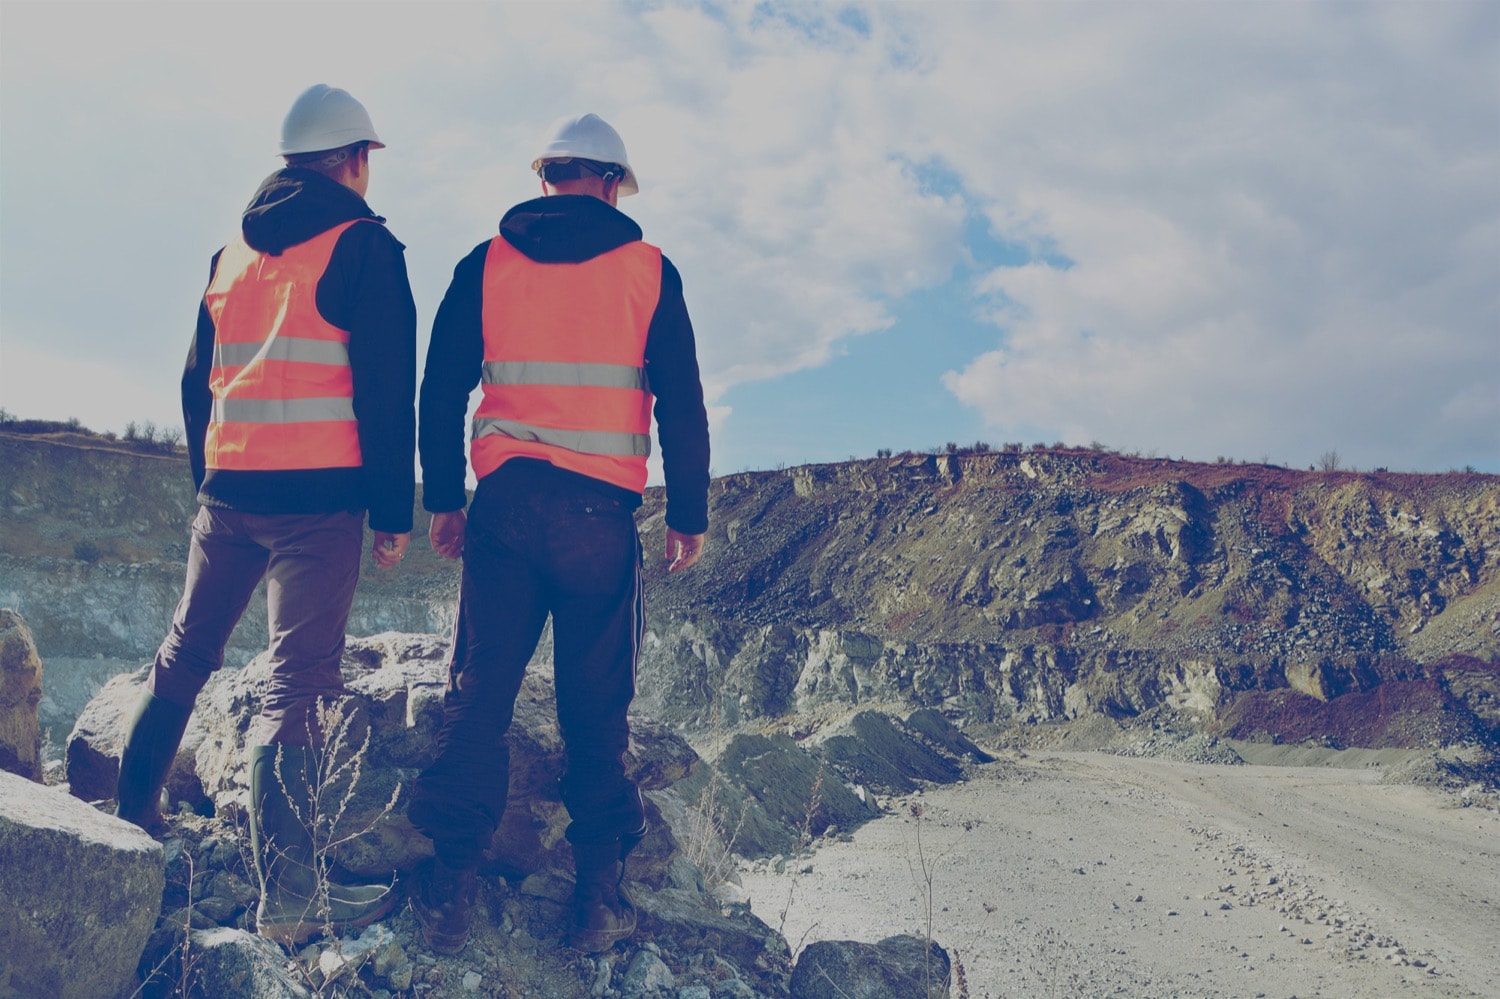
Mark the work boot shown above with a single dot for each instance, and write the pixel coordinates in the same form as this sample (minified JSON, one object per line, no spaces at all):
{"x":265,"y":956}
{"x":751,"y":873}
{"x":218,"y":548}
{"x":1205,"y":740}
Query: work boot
{"x":442,"y":899}
{"x":150,"y":747}
{"x":292,"y":907}
{"x":602,"y":912}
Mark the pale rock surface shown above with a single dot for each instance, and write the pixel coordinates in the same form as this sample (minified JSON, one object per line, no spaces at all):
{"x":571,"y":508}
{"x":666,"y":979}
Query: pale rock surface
{"x":79,"y":895}
{"x":92,"y":753}
{"x":227,"y":963}
{"x":395,"y":684}
{"x":20,"y":694}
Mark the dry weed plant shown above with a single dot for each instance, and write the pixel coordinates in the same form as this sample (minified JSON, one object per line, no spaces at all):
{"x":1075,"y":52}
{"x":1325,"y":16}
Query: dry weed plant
{"x":179,"y":957}
{"x":327,"y":798}
{"x":924,"y":872}
{"x":960,"y":980}
{"x":804,"y":845}
{"x":960,"y":976}
{"x":710,"y":835}
{"x":710,"y":839}
{"x":1049,"y":957}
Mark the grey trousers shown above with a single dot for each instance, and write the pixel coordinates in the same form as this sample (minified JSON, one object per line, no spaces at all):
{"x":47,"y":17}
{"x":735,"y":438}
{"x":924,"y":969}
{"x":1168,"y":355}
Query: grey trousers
{"x":311,"y":565}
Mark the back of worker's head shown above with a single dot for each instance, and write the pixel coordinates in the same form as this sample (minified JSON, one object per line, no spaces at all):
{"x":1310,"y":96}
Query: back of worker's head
{"x":583,"y":146}
{"x":325,"y":129}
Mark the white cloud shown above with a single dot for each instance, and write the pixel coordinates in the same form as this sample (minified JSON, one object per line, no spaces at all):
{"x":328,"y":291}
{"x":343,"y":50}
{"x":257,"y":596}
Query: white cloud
{"x":1258,"y":229}
{"x":1279,"y":242}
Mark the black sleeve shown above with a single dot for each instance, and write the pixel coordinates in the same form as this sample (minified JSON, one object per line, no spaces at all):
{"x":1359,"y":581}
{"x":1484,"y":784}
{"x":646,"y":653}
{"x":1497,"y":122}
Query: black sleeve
{"x":681,"y":419}
{"x":197,"y":398}
{"x":366,"y":292}
{"x":455,"y":362}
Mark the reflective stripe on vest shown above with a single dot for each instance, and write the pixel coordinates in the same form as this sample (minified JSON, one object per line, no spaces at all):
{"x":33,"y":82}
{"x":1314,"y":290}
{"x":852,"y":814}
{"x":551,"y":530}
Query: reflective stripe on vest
{"x":283,"y":391}
{"x":564,"y":376}
{"x":282,"y":410}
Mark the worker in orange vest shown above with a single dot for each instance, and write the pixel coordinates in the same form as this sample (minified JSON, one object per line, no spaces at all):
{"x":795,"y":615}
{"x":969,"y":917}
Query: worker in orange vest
{"x":576,"y":332}
{"x":298,"y":399}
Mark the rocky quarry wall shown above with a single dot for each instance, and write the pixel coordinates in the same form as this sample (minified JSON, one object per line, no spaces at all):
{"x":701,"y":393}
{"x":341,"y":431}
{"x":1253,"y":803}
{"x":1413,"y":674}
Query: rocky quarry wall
{"x":1014,"y":592}
{"x":1019,"y":591}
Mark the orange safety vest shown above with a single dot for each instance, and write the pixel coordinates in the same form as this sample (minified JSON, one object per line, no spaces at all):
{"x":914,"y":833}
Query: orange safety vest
{"x":565,"y":362}
{"x":282,"y":386}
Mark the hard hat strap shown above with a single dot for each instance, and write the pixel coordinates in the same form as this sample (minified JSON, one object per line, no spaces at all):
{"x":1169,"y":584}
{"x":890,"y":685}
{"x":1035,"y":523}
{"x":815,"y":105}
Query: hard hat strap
{"x":328,"y":159}
{"x":598,"y":169}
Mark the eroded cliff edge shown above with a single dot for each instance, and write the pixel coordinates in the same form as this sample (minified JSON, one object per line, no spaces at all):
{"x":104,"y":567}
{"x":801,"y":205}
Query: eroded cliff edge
{"x":1014,"y":591}
{"x":1009,"y":589}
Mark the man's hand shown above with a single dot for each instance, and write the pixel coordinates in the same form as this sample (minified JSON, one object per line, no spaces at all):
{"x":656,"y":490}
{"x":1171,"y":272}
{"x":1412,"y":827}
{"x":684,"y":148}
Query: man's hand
{"x":389,"y":549}
{"x":447,"y":533}
{"x":682,"y":550}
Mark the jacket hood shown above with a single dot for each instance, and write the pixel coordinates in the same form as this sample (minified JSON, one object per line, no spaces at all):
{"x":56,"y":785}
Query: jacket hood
{"x":567,"y":228}
{"x":294,"y":205}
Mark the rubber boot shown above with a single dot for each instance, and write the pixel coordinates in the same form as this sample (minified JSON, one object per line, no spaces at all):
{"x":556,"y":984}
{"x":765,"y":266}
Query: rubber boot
{"x":602,"y":911}
{"x":292,"y":907}
{"x":442,"y":899}
{"x":150,"y":747}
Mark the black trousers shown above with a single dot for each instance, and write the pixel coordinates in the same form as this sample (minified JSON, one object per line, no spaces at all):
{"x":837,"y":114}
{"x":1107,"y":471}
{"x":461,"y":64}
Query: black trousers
{"x":539,"y":543}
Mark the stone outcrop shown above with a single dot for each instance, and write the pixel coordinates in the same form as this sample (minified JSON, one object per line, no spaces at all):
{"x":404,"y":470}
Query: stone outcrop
{"x":20,"y":698}
{"x":92,"y":752}
{"x":225,"y":963}
{"x":393,"y":713}
{"x":79,"y":894}
{"x":902,"y":967}
{"x":395,"y":684}
{"x":1008,"y":590}
{"x":699,"y":930}
{"x":770,"y":796}
{"x":874,"y":750}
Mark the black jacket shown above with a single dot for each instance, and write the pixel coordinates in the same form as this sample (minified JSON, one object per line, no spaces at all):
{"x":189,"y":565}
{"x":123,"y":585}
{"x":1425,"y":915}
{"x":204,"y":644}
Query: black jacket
{"x":365,"y":291}
{"x":565,"y":228}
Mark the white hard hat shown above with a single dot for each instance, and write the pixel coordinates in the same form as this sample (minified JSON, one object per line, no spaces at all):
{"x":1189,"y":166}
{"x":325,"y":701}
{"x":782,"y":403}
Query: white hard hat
{"x":587,"y":137}
{"x":324,"y":117}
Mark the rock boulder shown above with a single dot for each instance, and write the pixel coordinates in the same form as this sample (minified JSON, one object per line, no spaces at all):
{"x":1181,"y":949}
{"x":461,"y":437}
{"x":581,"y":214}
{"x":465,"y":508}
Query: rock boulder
{"x":20,"y":694}
{"x":394,"y":710}
{"x":902,"y":967}
{"x":92,"y":754}
{"x":79,"y":895}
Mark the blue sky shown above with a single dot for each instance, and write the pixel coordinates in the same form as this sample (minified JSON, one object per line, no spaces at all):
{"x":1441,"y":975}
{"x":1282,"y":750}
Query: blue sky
{"x":1252,"y":230}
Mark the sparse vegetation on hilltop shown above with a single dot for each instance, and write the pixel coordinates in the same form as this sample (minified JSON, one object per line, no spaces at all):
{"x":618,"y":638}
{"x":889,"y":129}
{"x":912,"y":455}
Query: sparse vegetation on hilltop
{"x":145,"y":436}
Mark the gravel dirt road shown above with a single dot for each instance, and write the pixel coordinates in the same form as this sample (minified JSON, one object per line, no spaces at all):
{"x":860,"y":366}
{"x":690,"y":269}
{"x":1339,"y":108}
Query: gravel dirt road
{"x":1085,"y":874}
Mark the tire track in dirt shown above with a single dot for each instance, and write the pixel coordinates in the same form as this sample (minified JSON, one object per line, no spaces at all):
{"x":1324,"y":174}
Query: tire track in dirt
{"x":1085,"y":874}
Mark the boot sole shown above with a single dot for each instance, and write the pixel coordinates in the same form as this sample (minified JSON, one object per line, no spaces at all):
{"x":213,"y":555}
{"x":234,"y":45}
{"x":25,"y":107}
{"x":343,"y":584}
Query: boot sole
{"x":596,"y":943}
{"x":300,"y":931}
